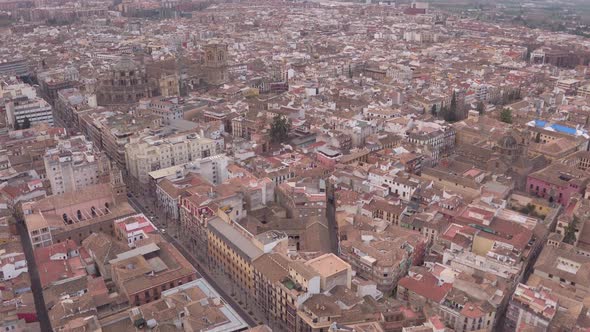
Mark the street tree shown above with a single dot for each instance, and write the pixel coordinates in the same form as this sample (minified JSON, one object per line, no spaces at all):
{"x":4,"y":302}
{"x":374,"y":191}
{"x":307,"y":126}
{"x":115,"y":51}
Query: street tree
{"x":506,"y":115}
{"x":279,"y":129}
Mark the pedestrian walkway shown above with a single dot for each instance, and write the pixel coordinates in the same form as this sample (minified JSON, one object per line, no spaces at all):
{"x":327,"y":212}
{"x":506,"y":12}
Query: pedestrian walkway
{"x":235,"y":299}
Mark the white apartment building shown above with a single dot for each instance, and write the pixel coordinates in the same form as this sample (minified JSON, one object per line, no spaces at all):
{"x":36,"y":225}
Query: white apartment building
{"x":168,"y":108}
{"x":481,"y":91}
{"x":36,"y":109}
{"x":423,"y":36}
{"x":12,"y":265}
{"x":400,"y":73}
{"x":503,"y":267}
{"x":212,"y":169}
{"x":75,"y":164}
{"x":10,"y":90}
{"x":394,"y":181}
{"x":152,"y":153}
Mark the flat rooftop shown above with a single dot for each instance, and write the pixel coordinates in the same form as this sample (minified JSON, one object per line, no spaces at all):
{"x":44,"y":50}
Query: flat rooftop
{"x":328,"y":264}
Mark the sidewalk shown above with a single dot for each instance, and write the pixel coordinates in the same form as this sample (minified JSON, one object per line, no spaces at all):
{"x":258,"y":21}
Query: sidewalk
{"x":172,"y":230}
{"x":238,"y":296}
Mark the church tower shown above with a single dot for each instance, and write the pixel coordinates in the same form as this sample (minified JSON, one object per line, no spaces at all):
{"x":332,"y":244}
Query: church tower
{"x":118,"y":188}
{"x":215,"y":65}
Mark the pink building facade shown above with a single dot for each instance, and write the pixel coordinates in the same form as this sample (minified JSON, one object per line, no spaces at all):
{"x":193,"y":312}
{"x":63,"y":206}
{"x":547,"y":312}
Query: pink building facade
{"x":552,"y":192}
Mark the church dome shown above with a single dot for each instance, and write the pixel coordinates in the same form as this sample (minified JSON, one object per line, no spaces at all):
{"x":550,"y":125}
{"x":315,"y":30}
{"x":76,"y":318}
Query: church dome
{"x":508,"y":142}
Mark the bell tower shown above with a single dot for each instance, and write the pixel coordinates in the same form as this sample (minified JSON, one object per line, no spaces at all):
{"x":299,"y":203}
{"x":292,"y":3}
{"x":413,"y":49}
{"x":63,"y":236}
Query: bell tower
{"x":216,"y":63}
{"x":118,"y":188}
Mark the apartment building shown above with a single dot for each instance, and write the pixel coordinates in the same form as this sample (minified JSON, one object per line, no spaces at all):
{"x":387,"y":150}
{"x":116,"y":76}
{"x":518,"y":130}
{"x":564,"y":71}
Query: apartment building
{"x":560,"y":264}
{"x":535,"y":307}
{"x":70,"y":104}
{"x":200,"y":203}
{"x":232,"y":250}
{"x":463,"y":302}
{"x":281,"y":287}
{"x":436,"y":141}
{"x":35,"y":109}
{"x":75,"y":164}
{"x":76,"y":215}
{"x":212,"y":169}
{"x":54,"y":80}
{"x":243,"y":127}
{"x":13,"y":89}
{"x":168,"y":108}
{"x":12,"y":265}
{"x":112,"y":131}
{"x":388,"y":210}
{"x":306,"y":198}
{"x":382,"y":209}
{"x":152,"y":153}
{"x":195,"y":305}
{"x":383,"y":257}
{"x":469,"y":309}
{"x":284,"y":284}
{"x":423,"y":287}
{"x":18,"y":67}
{"x":569,"y":86}
{"x":333,"y":271}
{"x":145,"y":272}
{"x":168,"y":193}
{"x":133,"y":229}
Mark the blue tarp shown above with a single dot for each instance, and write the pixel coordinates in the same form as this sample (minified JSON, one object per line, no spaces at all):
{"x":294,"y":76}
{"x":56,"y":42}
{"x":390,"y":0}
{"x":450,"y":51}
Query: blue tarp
{"x":556,"y":127}
{"x":540,"y":123}
{"x":564,"y":129}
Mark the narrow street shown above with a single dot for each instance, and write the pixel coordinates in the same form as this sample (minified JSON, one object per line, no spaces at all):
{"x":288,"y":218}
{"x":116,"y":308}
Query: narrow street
{"x":332,"y":224}
{"x":203,"y":271}
{"x":42,"y":314}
